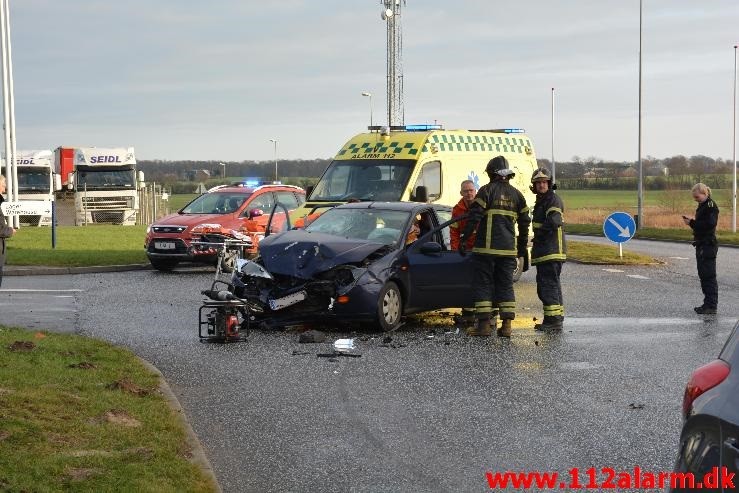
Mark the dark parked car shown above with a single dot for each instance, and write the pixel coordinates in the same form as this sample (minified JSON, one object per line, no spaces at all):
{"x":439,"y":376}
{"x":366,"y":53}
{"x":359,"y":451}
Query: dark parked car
{"x":368,"y":262}
{"x":710,"y":435}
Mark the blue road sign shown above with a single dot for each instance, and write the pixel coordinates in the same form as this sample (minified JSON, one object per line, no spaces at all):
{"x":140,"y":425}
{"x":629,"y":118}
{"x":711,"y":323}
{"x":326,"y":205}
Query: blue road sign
{"x":619,"y":227}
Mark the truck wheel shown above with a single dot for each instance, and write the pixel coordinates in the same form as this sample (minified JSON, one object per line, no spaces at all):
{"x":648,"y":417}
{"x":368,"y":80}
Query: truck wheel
{"x":164,"y":265}
{"x":389,"y":307}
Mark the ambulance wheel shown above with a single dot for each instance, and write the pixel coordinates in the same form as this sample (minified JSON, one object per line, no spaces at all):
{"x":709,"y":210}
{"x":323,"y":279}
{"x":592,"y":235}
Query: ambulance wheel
{"x":389,"y":307}
{"x":163,"y":265}
{"x":519,"y":270}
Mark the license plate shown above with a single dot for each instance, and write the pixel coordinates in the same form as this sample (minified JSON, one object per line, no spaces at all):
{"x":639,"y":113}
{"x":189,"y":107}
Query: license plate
{"x":164,"y":245}
{"x":288,"y":300}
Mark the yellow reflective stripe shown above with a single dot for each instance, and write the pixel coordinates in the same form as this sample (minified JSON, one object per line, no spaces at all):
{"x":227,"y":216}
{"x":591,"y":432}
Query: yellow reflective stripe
{"x":524,"y":210}
{"x":507,"y":306}
{"x":483,"y":303}
{"x":502,"y":212}
{"x":553,"y":310}
{"x":553,"y":209}
{"x":454,"y":225}
{"x":560,"y":241}
{"x":492,"y":251}
{"x":481,"y":202}
{"x":545,"y":258}
{"x":537,"y":225}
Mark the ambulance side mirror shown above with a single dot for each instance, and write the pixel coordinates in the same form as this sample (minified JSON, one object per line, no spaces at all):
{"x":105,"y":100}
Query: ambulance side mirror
{"x":421,"y":195}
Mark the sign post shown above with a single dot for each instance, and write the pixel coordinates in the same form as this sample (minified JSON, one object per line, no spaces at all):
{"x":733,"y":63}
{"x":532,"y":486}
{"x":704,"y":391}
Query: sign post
{"x":619,"y":227}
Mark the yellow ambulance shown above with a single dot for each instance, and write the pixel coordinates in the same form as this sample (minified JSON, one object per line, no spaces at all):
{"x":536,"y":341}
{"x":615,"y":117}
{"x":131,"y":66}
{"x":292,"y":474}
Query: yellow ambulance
{"x":419,"y":163}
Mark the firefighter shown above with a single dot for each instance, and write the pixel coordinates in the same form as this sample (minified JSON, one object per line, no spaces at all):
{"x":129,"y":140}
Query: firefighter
{"x":497,"y":208}
{"x":706,"y":246}
{"x":467,"y":191}
{"x":549,"y":250}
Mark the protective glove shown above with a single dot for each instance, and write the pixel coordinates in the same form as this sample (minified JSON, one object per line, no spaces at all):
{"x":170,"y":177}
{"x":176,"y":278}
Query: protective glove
{"x":524,"y":263}
{"x":462,"y":248}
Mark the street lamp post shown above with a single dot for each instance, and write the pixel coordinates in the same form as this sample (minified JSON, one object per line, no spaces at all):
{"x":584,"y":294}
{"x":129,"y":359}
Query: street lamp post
{"x":733,"y":157}
{"x":275,"y":143}
{"x":554,"y":166}
{"x":640,"y":198}
{"x":369,"y":95}
{"x":223,"y":172}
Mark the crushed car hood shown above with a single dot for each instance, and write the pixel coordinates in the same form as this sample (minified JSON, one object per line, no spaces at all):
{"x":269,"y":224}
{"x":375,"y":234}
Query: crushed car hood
{"x":303,"y":254}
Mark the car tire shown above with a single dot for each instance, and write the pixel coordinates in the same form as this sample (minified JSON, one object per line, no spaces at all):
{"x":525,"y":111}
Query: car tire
{"x":518,"y":271}
{"x":164,"y":265}
{"x":389,"y":307}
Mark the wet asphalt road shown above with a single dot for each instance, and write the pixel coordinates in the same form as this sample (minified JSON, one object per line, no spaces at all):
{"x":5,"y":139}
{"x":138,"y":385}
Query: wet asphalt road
{"x":420,"y":414}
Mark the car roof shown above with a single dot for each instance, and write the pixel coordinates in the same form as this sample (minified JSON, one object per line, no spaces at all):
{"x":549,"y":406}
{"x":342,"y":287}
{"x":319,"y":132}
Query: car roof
{"x":249,"y":190}
{"x":392,"y":206}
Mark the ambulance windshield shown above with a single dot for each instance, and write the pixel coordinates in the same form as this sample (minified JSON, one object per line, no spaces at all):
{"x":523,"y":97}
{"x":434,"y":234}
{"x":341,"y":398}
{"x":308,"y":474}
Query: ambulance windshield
{"x":364,"y":179}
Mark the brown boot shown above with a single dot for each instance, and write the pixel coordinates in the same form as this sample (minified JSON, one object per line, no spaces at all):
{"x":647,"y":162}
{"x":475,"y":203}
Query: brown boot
{"x":482,"y":329}
{"x":505,"y":328}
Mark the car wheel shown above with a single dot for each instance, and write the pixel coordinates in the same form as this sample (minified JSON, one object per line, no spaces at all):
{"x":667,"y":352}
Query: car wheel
{"x":164,"y":265}
{"x":389,"y":307}
{"x":518,"y":272}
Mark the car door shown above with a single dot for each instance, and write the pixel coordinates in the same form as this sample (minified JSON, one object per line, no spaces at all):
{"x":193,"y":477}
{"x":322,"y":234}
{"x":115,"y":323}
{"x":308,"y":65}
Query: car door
{"x":438,"y":277}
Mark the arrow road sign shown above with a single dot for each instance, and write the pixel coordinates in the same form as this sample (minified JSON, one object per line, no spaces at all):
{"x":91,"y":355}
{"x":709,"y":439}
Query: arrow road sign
{"x":619,"y":227}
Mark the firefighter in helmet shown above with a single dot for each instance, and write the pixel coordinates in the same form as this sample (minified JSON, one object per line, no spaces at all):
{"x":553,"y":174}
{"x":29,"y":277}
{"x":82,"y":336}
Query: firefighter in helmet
{"x":497,"y":208}
{"x":549,"y":250}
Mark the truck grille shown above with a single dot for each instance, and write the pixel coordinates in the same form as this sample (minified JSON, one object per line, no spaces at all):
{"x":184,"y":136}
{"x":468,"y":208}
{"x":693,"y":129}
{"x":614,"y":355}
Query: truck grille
{"x":107,"y":203}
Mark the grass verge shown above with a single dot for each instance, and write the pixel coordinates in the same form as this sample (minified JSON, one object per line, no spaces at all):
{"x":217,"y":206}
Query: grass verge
{"x":724,"y":238}
{"x":77,"y":414}
{"x":595,"y":253}
{"x":78,"y":246}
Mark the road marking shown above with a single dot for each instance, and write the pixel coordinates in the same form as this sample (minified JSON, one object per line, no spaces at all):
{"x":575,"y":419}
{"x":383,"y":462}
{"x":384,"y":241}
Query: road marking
{"x":612,"y":270}
{"x":636,"y":276}
{"x":21,"y":290}
{"x":679,"y":258}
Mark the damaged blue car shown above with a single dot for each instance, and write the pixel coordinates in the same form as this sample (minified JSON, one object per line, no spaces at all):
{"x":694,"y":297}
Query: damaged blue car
{"x":369,"y":263}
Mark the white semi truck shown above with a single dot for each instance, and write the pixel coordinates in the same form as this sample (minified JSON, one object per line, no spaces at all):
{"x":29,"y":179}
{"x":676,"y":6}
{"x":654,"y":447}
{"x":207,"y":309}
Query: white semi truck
{"x":36,"y":182}
{"x":104,"y":181}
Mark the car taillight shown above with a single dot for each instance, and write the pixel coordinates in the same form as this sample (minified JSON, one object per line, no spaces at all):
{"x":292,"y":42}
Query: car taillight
{"x":704,"y":378}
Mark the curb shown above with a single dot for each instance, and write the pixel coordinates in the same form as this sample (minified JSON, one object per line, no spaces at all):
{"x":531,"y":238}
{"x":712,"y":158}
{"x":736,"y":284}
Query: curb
{"x":198,"y":453}
{"x":42,"y":270}
{"x":685,"y":242}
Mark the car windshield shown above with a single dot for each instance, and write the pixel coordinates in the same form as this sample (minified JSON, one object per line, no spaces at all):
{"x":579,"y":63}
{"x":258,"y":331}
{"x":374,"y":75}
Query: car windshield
{"x":104,"y":178}
{"x":216,"y":203}
{"x":364,"y":179}
{"x":376,"y":225}
{"x":34,"y":180}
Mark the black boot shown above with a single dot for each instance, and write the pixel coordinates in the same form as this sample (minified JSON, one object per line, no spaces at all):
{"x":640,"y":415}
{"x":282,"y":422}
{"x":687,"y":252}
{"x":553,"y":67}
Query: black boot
{"x":550,"y":324}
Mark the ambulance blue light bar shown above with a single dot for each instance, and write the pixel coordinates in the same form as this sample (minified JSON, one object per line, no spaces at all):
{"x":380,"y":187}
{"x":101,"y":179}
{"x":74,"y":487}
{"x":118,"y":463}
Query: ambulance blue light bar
{"x":502,"y":130}
{"x":421,"y":127}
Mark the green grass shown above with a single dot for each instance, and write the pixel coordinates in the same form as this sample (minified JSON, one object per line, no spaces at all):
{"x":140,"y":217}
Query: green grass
{"x":78,"y":246}
{"x":178,"y":201}
{"x":595,"y":253}
{"x":58,"y":426}
{"x":599,"y":199}
{"x":724,"y":238}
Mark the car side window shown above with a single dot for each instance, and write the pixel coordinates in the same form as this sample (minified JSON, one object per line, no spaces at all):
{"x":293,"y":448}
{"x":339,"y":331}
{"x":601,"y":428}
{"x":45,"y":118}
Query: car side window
{"x":430,"y":177}
{"x":301,"y":198}
{"x":288,"y":200}
{"x":264,"y":201}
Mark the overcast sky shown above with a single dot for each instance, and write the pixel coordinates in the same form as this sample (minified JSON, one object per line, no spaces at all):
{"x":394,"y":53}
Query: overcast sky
{"x":185,"y":79}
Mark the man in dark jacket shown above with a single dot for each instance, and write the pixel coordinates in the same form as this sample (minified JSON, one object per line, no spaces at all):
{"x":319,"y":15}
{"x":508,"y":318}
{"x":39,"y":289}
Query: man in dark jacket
{"x":497,"y":208}
{"x":5,"y":230}
{"x":549,"y":250}
{"x":706,"y":246}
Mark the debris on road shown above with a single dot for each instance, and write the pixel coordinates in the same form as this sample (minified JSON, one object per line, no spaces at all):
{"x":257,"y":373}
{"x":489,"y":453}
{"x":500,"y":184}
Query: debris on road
{"x":636,"y":406}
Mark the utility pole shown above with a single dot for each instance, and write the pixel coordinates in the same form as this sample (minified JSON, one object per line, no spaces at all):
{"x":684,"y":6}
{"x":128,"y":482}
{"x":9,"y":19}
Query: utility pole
{"x":391,"y":15}
{"x":733,"y":158}
{"x":275,"y":142}
{"x":11,"y":176}
{"x":640,"y":199}
{"x":554,"y":166}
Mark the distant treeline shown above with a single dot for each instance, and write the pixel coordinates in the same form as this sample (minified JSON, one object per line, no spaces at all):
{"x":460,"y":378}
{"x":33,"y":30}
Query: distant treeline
{"x":676,"y":172}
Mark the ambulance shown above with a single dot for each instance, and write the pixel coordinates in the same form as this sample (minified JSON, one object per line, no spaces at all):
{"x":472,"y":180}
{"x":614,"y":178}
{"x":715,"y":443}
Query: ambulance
{"x":418,"y":163}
